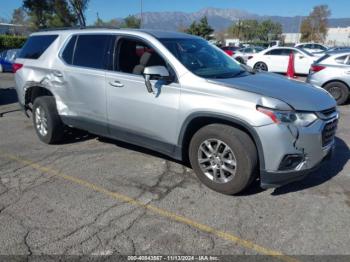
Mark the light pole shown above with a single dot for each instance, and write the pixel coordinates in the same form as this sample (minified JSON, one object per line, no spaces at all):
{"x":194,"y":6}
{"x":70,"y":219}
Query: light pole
{"x":141,"y":7}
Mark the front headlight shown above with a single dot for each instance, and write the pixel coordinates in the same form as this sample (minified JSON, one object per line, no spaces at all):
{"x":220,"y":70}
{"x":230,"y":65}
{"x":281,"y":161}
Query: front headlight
{"x":286,"y":117}
{"x":305,"y":119}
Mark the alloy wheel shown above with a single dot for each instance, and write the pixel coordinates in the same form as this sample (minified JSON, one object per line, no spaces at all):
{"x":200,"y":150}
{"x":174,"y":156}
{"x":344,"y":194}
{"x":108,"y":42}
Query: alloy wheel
{"x":41,"y":121}
{"x":335,"y":91}
{"x":260,"y":67}
{"x":217,"y":160}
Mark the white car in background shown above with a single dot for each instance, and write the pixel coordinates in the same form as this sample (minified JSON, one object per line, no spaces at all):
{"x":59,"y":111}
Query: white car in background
{"x":276,"y":59}
{"x":242,"y":55}
{"x":312,"y":47}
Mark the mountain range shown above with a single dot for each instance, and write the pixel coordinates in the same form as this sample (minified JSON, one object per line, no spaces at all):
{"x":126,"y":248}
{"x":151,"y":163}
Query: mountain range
{"x":220,"y":19}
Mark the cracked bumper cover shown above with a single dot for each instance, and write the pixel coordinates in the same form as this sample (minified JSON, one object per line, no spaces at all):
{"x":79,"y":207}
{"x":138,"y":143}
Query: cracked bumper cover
{"x":277,"y":179}
{"x":281,"y":140}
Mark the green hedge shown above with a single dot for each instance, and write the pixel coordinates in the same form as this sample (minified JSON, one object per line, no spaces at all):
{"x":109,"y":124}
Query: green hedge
{"x":11,"y":41}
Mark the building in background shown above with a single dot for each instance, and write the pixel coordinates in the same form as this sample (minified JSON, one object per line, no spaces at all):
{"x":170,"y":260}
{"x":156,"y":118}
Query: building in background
{"x":12,"y":29}
{"x":291,"y":38}
{"x":339,"y":36}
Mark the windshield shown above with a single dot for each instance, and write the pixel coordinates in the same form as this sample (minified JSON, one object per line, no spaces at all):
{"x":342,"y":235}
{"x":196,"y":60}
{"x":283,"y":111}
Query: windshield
{"x":202,"y":58}
{"x":304,"y":51}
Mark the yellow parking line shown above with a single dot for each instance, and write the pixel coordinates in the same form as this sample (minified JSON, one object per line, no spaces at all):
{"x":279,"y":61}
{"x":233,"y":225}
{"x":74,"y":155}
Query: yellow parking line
{"x":161,"y":212}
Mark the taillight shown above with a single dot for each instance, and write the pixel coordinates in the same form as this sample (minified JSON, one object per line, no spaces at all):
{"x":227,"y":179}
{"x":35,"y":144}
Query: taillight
{"x":316,"y":68}
{"x":16,"y":67}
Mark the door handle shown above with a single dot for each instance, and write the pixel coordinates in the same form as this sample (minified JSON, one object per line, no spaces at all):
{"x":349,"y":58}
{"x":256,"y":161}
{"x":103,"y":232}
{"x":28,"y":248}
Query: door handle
{"x":116,"y":83}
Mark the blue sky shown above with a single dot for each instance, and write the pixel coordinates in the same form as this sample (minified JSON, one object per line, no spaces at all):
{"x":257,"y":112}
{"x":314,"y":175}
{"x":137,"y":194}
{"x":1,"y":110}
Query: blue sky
{"x":108,"y":9}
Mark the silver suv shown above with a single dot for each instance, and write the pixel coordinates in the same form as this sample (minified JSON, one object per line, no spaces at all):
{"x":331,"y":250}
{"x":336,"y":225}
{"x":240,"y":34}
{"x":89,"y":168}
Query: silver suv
{"x":179,"y":95}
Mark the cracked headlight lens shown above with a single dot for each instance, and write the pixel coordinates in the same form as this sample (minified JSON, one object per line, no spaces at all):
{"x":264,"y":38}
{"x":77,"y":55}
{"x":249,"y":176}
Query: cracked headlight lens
{"x":284,"y":117}
{"x":305,"y":119}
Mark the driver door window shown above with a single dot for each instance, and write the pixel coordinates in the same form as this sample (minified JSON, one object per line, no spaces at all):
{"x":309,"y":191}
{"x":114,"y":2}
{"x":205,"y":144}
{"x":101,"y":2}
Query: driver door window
{"x":135,"y":56}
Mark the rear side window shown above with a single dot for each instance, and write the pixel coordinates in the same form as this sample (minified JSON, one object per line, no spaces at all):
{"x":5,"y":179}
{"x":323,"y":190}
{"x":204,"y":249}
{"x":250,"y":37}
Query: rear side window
{"x":341,"y":59}
{"x":91,"y":51}
{"x":275,"y":52}
{"x":36,"y":46}
{"x":68,"y":52}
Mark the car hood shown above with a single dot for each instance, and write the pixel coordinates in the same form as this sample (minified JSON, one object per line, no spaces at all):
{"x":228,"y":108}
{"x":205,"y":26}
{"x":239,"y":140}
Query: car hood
{"x":300,"y":96}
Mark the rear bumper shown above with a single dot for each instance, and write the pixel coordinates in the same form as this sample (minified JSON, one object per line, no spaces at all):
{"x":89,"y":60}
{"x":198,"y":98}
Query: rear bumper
{"x":277,"y":179}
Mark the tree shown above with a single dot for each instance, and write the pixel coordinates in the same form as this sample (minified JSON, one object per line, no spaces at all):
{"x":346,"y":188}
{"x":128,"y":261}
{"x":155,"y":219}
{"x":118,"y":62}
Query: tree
{"x":250,"y":30}
{"x":193,"y":29}
{"x":315,"y":26}
{"x":269,"y":30}
{"x":111,"y":23}
{"x":62,"y":14}
{"x":79,"y":7}
{"x":19,"y":17}
{"x":205,"y":30}
{"x":131,"y":22}
{"x":39,"y":12}
{"x":245,"y":30}
{"x":202,"y":28}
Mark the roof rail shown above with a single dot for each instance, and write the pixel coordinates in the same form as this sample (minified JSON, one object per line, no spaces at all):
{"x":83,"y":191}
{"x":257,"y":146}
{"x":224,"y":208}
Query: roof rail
{"x":77,"y":28}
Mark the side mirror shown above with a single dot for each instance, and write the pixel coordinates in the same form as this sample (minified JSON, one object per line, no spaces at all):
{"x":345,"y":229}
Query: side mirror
{"x":155,"y":72}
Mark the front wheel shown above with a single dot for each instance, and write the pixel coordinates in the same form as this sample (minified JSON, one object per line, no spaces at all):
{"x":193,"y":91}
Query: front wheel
{"x":261,"y":66}
{"x":224,"y":158}
{"x":339,"y":91}
{"x":47,"y":122}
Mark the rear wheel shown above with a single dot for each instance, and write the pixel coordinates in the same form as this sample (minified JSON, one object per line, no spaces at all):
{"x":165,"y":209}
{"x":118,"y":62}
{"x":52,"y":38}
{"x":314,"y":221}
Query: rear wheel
{"x":224,"y":158}
{"x":47,"y":122}
{"x":261,"y":66}
{"x":339,"y":91}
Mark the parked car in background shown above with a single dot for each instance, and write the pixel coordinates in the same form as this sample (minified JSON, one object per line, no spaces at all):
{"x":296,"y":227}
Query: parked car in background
{"x":332,"y":50}
{"x":312,"y":47}
{"x":332,"y":72}
{"x":274,"y":43}
{"x":339,"y":49}
{"x":230,"y":50}
{"x":182,"y":97}
{"x":276,"y":59}
{"x":242,"y":55}
{"x":7,"y":58}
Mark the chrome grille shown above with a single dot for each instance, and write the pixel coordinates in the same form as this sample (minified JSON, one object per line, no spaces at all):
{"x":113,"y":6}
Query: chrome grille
{"x":328,"y":113}
{"x":328,"y":132}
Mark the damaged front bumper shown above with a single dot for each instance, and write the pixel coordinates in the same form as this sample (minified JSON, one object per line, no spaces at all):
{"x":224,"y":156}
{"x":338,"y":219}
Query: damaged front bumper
{"x":277,"y":179}
{"x":290,"y":152}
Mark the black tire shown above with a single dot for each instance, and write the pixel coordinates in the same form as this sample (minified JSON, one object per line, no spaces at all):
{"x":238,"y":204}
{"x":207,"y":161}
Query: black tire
{"x":244,"y":151}
{"x":55,"y":127}
{"x":261,"y":66}
{"x":339,"y":91}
